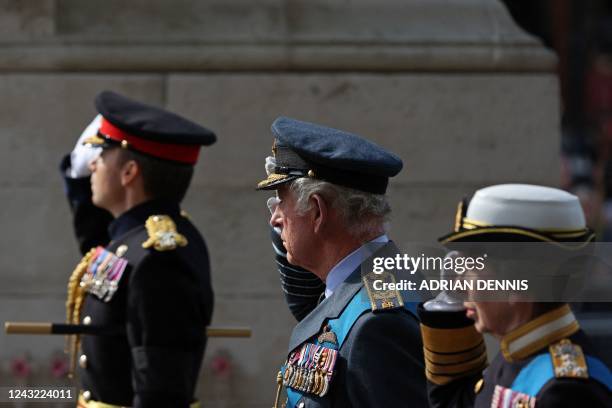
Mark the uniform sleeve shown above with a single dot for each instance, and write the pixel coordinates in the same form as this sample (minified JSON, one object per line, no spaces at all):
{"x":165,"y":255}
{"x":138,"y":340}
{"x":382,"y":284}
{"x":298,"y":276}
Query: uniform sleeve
{"x":90,"y":223}
{"x":566,"y":392}
{"x":385,"y":362}
{"x":166,"y":325}
{"x":301,"y":287}
{"x":455,"y":356}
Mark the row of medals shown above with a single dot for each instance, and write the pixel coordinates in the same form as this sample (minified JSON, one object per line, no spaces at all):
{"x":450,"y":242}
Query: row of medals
{"x":310,"y":369}
{"x":103,"y":274}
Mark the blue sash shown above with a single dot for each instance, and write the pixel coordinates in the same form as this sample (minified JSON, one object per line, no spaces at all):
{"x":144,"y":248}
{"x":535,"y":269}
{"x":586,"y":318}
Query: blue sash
{"x":341,"y":326}
{"x":540,"y":370}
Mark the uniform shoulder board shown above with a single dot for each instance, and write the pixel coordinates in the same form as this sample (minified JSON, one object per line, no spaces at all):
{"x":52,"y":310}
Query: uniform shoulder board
{"x":382,"y":299}
{"x":163,"y":235}
{"x":568,"y":360}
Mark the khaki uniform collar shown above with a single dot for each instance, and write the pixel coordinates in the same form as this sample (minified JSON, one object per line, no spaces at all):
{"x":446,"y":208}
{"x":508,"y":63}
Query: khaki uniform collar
{"x":538,"y":333}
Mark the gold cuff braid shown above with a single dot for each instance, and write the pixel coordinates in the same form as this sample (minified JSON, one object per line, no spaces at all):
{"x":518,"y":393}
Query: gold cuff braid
{"x":452,"y":353}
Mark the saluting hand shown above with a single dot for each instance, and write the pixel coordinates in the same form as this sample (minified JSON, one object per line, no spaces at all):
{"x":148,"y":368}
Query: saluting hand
{"x":83,"y":154}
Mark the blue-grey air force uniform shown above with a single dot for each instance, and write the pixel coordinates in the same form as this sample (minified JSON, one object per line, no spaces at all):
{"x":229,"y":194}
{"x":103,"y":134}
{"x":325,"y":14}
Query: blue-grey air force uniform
{"x":380,"y":358}
{"x":359,"y":347}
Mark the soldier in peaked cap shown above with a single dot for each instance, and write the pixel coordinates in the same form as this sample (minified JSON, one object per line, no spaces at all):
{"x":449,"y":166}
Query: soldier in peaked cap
{"x":144,"y":282}
{"x":358,"y":347}
{"x":545,"y":359}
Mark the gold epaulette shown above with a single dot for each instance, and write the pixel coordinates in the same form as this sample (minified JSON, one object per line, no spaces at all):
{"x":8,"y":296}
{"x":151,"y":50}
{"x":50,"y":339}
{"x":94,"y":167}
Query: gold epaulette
{"x":452,"y":353}
{"x":382,"y":299}
{"x":568,"y":360}
{"x":163,"y":235}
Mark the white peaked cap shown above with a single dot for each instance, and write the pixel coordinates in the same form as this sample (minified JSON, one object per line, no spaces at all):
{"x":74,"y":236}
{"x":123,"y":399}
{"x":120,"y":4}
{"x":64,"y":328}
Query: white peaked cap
{"x":520,"y":212}
{"x":526,"y":206}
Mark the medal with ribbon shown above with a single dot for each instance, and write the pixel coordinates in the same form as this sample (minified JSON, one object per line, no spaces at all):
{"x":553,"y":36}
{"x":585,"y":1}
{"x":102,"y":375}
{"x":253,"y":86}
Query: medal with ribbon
{"x":103,"y":274}
{"x":310,"y":369}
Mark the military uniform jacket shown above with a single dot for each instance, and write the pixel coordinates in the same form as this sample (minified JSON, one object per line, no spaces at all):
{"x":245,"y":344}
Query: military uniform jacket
{"x":152,"y":330}
{"x":380,"y":361}
{"x":548,"y":370}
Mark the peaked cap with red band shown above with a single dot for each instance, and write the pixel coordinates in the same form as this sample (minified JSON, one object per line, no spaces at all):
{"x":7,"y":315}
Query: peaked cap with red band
{"x":149,"y":130}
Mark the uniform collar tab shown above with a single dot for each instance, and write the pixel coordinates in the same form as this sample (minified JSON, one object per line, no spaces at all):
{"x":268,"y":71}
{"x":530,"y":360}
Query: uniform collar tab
{"x":538,"y":333}
{"x":136,"y":216}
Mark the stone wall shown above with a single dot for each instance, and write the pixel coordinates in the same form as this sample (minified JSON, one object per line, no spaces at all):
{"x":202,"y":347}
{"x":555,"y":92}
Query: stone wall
{"x":453,"y":87}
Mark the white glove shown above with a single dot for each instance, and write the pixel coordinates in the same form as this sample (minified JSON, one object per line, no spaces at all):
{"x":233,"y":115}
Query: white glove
{"x":270,"y":165}
{"x":272,"y":201}
{"x":445,"y":302}
{"x":82,"y":155}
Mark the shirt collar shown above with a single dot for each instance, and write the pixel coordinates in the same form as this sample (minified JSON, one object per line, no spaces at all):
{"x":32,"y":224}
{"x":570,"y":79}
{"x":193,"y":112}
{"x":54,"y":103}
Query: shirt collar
{"x":538,"y":333}
{"x":138,"y":215}
{"x":349,"y":263}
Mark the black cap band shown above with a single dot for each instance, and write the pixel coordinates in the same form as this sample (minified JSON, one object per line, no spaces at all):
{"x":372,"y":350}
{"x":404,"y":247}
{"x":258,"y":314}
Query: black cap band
{"x":289,"y":162}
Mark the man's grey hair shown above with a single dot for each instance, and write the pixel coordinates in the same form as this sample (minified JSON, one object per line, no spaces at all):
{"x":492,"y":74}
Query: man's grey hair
{"x":361,"y":212}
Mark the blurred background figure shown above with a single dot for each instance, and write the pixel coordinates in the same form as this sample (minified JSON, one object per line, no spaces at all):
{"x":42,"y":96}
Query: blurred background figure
{"x":580,"y":32}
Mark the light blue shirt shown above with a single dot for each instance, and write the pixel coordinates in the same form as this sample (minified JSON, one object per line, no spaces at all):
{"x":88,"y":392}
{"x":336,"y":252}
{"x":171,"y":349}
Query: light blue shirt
{"x":349,"y":263}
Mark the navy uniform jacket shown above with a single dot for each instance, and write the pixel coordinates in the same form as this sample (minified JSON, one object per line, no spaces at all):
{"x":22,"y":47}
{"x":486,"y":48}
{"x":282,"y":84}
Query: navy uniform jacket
{"x":380,"y":362}
{"x":152,"y":331}
{"x":461,"y":381}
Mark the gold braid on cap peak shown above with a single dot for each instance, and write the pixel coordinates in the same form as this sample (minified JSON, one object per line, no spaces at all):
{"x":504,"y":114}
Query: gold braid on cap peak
{"x":271,"y":179}
{"x":74,"y":303}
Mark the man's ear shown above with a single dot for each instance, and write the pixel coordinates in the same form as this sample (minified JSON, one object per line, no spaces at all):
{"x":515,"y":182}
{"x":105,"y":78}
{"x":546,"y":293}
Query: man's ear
{"x":522,"y":308}
{"x":320,"y":212}
{"x":129,"y":171}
